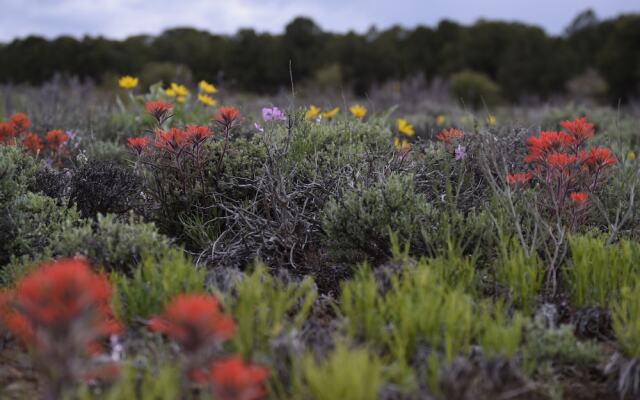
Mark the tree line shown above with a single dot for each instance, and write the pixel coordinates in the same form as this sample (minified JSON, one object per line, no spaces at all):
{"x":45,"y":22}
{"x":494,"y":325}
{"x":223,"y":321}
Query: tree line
{"x":522,"y":59}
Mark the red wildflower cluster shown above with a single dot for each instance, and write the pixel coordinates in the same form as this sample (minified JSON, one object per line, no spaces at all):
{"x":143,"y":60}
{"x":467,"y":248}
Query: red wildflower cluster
{"x":56,"y":138}
{"x":197,"y":324}
{"x":6,"y":132}
{"x":564,"y":168}
{"x":226,"y":116}
{"x":548,"y":142}
{"x":520,"y":178}
{"x":158,"y":109}
{"x":579,"y":129}
{"x":32,"y":143}
{"x":17,"y":125}
{"x":20,"y":122}
{"x":579,"y":197}
{"x":194,"y":321}
{"x":598,"y":158}
{"x":171,"y":140}
{"x":197,"y":134}
{"x":60,"y":302}
{"x":449,"y":135}
{"x":233,"y":379}
{"x":138,"y":144}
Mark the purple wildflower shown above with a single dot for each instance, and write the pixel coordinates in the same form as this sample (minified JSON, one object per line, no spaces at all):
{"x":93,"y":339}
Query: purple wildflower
{"x":273,"y":114}
{"x":460,"y":153}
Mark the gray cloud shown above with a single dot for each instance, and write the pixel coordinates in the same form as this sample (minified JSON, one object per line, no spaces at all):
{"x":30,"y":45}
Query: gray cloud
{"x":121,"y":18}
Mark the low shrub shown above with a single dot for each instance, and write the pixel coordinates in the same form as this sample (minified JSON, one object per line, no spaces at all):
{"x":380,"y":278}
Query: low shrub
{"x":112,"y":244}
{"x":358,"y":225}
{"x":101,"y":187}
{"x":597,"y":272}
{"x":265,"y":307}
{"x":153,"y":282}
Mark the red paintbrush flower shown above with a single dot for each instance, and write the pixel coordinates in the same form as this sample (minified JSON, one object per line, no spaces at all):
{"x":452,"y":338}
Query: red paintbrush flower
{"x":519,"y":178}
{"x":62,"y":301}
{"x":449,"y":135}
{"x":599,"y":157}
{"x":540,"y":146}
{"x":56,"y":138}
{"x":7,"y":131}
{"x":560,"y":160}
{"x":194,"y":321}
{"x":20,"y":122}
{"x":170,"y":140}
{"x":226,"y":116}
{"x":138,"y":144}
{"x":580,"y":129}
{"x":233,"y":379}
{"x":579,"y":197}
{"x":158,"y":109}
{"x":32,"y":143}
{"x":197,"y":133}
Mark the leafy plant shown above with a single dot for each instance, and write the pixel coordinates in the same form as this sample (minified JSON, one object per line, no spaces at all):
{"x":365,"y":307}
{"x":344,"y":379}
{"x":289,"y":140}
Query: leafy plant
{"x":265,"y":307}
{"x":597,"y":272}
{"x":520,"y":273}
{"x":155,"y":281}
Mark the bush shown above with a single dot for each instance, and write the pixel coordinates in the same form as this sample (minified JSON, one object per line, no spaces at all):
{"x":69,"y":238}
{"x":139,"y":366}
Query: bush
{"x":357,"y":226}
{"x":102,"y":187}
{"x":344,"y":374}
{"x":597,"y":272}
{"x":153,"y":283}
{"x":521,"y":274}
{"x":111,"y":244}
{"x":32,"y":224}
{"x":265,"y":307}
{"x":17,"y":173}
{"x":626,"y":319}
{"x":475,"y":89}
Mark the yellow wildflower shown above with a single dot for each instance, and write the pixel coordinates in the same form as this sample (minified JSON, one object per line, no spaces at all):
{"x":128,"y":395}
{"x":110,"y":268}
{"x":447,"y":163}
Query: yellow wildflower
{"x":170,"y":92}
{"x":358,"y":111}
{"x":207,"y":100}
{"x":441,"y":120}
{"x":491,"y":120}
{"x":207,"y":87}
{"x":404,"y":127}
{"x":312,"y":112}
{"x":181,"y":99}
{"x":180,"y":90}
{"x":631,"y":155}
{"x":331,"y":113}
{"x":128,"y":82}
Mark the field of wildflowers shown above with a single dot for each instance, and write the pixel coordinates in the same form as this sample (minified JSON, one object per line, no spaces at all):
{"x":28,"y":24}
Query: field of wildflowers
{"x":183,"y":242}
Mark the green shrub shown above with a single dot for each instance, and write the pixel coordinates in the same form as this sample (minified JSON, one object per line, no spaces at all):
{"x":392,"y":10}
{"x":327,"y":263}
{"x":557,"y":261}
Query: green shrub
{"x":153,"y":283}
{"x":358,"y":224}
{"x":416,"y":308}
{"x":475,"y":89}
{"x":110,"y":243}
{"x":499,"y":334}
{"x":521,"y":274}
{"x":264,"y":307}
{"x":558,"y":346}
{"x":142,"y":385}
{"x":32,"y":223}
{"x":626,"y":319}
{"x":113,"y":152}
{"x":17,"y":172}
{"x":597,"y":272}
{"x":344,"y":374}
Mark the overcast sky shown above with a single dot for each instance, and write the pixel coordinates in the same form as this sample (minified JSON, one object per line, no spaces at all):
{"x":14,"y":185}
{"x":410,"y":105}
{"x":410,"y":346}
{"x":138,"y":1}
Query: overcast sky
{"x":121,"y":18}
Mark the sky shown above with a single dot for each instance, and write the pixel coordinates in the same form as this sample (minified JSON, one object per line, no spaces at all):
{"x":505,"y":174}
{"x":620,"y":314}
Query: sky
{"x":121,"y":18}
